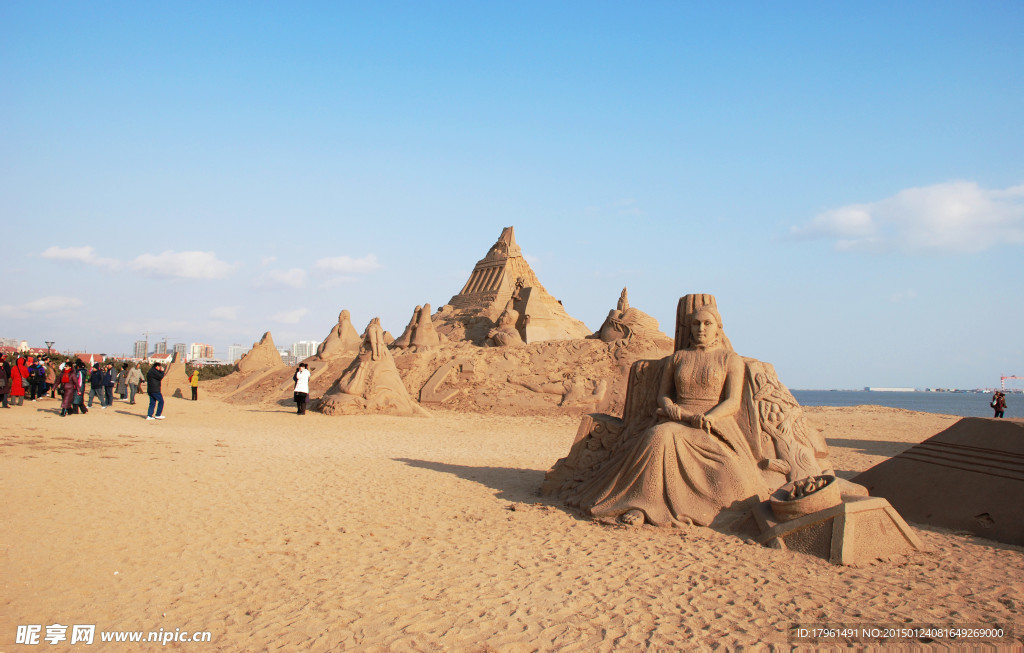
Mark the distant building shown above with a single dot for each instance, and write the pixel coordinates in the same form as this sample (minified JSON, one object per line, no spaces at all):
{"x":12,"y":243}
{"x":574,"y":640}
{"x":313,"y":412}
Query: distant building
{"x":179,"y":349}
{"x":200,"y":350}
{"x":235,"y":352}
{"x":304,"y":349}
{"x":89,"y":359}
{"x":140,"y":349}
{"x":286,"y":356}
{"x":160,"y":358}
{"x":13,"y":343}
{"x":160,"y":347}
{"x":200,"y":362}
{"x":23,"y":350}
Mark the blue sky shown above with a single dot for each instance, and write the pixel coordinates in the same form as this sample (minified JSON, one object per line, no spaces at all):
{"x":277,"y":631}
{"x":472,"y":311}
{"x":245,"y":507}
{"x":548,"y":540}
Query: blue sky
{"x":846,"y":178}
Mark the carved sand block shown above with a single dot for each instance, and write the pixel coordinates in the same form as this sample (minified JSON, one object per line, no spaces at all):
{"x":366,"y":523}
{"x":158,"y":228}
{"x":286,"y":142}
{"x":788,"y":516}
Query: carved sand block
{"x":857,"y":531}
{"x":969,"y":477}
{"x":431,"y":392}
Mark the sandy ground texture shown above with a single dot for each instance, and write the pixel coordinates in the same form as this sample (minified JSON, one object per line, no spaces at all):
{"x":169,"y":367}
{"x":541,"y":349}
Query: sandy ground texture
{"x":276,"y":532}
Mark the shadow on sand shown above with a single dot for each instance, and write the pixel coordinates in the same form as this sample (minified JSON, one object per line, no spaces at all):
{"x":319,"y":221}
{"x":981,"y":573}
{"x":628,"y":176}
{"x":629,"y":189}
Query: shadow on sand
{"x":511,"y":483}
{"x":871,"y":447}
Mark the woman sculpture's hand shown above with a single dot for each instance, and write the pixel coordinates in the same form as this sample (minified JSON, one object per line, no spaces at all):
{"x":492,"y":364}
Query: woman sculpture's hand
{"x":703,"y":422}
{"x":670,"y":410}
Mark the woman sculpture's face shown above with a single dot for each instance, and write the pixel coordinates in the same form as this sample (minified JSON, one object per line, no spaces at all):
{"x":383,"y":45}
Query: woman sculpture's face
{"x":704,"y":328}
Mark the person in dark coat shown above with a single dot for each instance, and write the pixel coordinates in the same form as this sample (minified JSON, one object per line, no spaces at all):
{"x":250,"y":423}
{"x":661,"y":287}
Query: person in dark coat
{"x":154,"y":377}
{"x":35,"y":377}
{"x":96,"y":385}
{"x":5,"y":380}
{"x":108,"y":384}
{"x":122,"y":382}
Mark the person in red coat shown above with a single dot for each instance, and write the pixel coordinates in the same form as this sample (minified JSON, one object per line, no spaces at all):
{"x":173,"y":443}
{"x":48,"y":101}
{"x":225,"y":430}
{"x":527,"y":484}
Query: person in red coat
{"x":18,"y":372}
{"x":67,"y":384}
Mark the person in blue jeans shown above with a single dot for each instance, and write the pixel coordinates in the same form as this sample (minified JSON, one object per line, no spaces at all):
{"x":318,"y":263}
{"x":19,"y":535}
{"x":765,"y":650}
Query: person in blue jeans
{"x":108,"y":383}
{"x":96,"y":385}
{"x":156,"y":398}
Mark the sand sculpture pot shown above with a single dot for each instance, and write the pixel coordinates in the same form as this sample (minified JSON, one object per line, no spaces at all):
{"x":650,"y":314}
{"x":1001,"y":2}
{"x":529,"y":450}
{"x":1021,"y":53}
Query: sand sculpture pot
{"x":825,"y":497}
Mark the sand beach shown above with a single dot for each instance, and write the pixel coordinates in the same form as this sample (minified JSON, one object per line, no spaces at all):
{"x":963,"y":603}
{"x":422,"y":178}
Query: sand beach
{"x":273,"y":531}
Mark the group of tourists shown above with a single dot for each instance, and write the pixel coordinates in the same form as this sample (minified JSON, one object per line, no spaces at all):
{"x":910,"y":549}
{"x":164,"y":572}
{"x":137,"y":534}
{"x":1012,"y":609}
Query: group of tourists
{"x":26,"y":378}
{"x":79,"y":386}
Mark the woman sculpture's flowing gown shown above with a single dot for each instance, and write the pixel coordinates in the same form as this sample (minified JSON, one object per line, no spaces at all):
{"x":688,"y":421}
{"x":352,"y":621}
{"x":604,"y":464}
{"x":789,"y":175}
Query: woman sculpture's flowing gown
{"x":676,"y":473}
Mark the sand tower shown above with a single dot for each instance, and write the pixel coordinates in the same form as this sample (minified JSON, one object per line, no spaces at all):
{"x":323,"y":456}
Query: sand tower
{"x":491,"y":286}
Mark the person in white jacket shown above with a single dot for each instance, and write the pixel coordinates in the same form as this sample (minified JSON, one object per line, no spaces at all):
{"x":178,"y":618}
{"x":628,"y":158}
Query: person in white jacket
{"x":301,"y":387}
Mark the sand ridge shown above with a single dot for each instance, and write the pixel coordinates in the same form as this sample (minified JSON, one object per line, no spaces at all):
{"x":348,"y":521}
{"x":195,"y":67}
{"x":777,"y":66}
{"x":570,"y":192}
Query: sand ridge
{"x":279,"y":532}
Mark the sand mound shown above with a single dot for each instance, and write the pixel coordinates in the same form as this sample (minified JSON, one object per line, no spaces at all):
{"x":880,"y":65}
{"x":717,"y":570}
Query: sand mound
{"x":545,"y":378}
{"x":262,"y":356}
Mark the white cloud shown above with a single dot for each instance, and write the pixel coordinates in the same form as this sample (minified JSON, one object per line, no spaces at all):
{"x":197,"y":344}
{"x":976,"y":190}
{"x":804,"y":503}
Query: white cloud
{"x":43,"y":306}
{"x":86,"y":255}
{"x":336,"y":281}
{"x":531,"y":259}
{"x":228,"y":313}
{"x":182,"y":265}
{"x":293,"y":278}
{"x":347,"y":264}
{"x":956,"y":216}
{"x":291,"y":317}
{"x":267,"y":260}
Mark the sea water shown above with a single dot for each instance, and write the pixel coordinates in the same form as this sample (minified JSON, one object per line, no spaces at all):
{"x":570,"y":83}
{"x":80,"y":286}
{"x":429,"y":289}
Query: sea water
{"x":964,"y":404}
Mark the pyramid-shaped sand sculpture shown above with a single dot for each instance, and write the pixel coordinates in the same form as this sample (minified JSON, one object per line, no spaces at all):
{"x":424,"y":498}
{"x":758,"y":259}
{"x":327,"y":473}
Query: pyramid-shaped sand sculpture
{"x":495,"y":278}
{"x":343,"y":339}
{"x":969,"y":477}
{"x":263,"y":355}
{"x":371,"y":384}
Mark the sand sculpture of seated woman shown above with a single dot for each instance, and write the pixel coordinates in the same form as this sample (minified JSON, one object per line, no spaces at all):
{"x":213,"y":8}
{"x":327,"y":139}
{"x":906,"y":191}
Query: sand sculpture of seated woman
{"x":694,"y":465}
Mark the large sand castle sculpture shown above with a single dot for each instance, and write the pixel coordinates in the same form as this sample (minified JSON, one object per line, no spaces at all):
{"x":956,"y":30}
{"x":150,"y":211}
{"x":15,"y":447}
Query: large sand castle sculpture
{"x":343,"y":338}
{"x":371,"y":383}
{"x":507,"y":377}
{"x":262,"y":355}
{"x":706,"y":437}
{"x":472,"y":314}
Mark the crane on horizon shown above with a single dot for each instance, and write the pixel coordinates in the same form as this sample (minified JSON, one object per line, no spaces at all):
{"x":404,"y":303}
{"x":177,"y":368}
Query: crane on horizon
{"x":1002,"y":380}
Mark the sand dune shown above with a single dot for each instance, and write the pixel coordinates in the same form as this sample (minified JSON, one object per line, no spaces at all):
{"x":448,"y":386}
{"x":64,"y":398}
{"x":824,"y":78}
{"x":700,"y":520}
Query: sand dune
{"x":279,"y":532}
